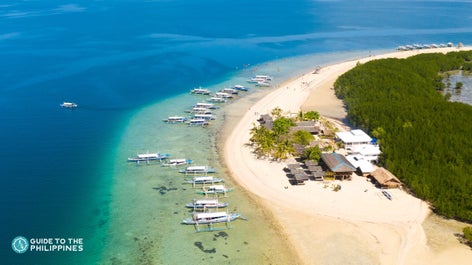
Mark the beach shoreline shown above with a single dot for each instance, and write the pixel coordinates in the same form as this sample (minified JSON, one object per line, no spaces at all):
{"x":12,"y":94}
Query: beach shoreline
{"x":320,"y":223}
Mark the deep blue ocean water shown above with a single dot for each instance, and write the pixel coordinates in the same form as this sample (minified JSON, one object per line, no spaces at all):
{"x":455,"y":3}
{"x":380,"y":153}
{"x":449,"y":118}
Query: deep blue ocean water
{"x":115,"y":57}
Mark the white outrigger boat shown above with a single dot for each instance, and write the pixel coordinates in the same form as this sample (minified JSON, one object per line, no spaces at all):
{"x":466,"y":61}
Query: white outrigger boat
{"x":148,"y":157}
{"x":195,"y":170}
{"x":204,"y":180}
{"x":215,"y":189}
{"x":205,"y":105}
{"x":230,"y":91}
{"x":177,"y":162}
{"x":240,"y":88}
{"x":206,"y":204}
{"x":197,"y":122}
{"x":69,"y":105}
{"x":263,"y":84}
{"x":260,"y":78}
{"x":199,"y":110}
{"x":216,"y":100}
{"x":175,"y":119}
{"x":206,"y":117}
{"x":223,"y":95}
{"x":200,"y":91}
{"x":211,"y":218}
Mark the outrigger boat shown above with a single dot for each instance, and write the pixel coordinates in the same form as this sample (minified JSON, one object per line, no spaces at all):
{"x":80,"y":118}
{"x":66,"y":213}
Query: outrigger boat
{"x":205,"y":105}
{"x":195,"y":170}
{"x":216,"y":100}
{"x":69,"y":105}
{"x":206,"y":204}
{"x":148,"y":157}
{"x":206,"y":117}
{"x":230,"y":91}
{"x":177,"y":162}
{"x":204,"y":180}
{"x":240,"y":88}
{"x":215,"y":189}
{"x":260,"y":78}
{"x":223,"y":95}
{"x":200,"y":91}
{"x":263,"y":84}
{"x":211,"y":218}
{"x":197,"y":122}
{"x":175,"y":119}
{"x":199,"y":110}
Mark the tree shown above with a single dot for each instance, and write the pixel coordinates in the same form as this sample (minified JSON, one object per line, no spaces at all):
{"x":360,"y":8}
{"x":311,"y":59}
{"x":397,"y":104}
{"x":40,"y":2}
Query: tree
{"x":378,"y":132}
{"x":459,"y":85}
{"x":468,"y":233}
{"x":283,"y":150}
{"x":311,"y":116}
{"x":312,"y":153}
{"x":262,"y":140}
{"x":448,"y":96}
{"x":425,"y":138}
{"x":276,"y":112}
{"x":302,"y":137}
{"x":301,"y":116}
{"x":282,"y":125}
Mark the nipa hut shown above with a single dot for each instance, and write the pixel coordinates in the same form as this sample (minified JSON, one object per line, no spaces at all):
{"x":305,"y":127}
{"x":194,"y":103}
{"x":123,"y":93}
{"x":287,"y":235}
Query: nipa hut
{"x":385,"y":178}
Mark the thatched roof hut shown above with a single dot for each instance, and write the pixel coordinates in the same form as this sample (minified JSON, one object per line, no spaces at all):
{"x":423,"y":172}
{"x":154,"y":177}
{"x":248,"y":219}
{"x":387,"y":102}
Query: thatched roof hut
{"x":299,"y":149}
{"x":309,"y":126}
{"x":266,"y":121}
{"x":385,"y":178}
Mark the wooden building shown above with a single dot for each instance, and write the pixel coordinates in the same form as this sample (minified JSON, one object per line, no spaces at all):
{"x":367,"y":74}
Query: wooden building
{"x":385,"y":178}
{"x":337,"y":164}
{"x":309,"y":126}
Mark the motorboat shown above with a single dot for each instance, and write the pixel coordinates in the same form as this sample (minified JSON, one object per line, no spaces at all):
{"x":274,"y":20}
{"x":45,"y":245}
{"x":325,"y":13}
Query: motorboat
{"x":175,"y":119}
{"x":197,"y":122}
{"x":148,"y":157}
{"x":69,"y":105}
{"x":197,"y":170}
{"x":204,"y":180}
{"x":177,"y":162}
{"x":206,"y":204}
{"x":211,"y":218}
{"x":200,"y":91}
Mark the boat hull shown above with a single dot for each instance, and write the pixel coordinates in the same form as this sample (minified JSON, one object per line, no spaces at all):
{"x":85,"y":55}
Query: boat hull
{"x":224,"y":219}
{"x":203,"y":192}
{"x":206,"y":206}
{"x":205,"y":181}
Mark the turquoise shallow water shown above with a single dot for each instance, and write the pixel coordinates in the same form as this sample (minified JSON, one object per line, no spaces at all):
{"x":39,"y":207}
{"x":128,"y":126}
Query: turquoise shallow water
{"x":148,"y":200}
{"x":128,"y":64}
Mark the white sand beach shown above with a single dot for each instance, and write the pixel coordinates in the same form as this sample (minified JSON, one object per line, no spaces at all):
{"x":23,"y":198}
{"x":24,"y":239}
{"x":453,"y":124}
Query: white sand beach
{"x":356,"y":225}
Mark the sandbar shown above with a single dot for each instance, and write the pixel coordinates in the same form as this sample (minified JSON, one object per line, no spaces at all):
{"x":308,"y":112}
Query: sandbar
{"x":357,"y":225}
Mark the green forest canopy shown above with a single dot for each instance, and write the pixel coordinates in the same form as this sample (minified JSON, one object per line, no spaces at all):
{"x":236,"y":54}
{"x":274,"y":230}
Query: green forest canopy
{"x":425,"y":140}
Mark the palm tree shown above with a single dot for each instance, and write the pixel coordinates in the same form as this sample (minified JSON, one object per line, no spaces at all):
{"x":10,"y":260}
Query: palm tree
{"x":283,"y":150}
{"x":311,"y":116}
{"x":276,"y":112}
{"x":300,"y":116}
{"x":262,"y":140}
